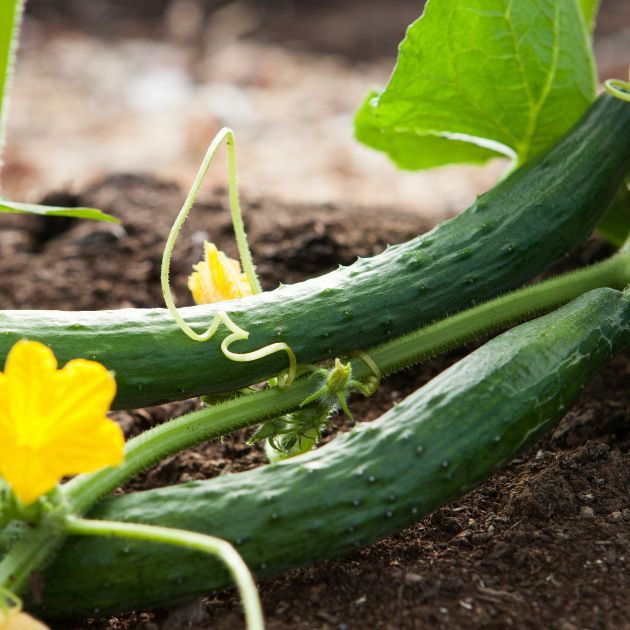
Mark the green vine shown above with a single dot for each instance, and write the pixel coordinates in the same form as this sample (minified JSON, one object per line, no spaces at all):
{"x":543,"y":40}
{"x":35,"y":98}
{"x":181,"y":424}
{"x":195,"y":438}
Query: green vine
{"x":77,"y":496}
{"x":618,"y":89}
{"x":246,"y":259}
{"x":182,"y":538}
{"x":246,"y":411}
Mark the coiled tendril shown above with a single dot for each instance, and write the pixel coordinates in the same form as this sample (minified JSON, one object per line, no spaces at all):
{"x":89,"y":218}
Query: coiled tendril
{"x":238,"y":333}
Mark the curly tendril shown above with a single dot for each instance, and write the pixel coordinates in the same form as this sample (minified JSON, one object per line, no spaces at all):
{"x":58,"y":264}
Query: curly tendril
{"x":371,"y":383}
{"x":238,"y":333}
{"x":618,"y":89}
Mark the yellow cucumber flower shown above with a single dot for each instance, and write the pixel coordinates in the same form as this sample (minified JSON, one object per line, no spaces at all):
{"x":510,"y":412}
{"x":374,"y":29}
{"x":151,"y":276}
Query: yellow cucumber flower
{"x":53,"y":422}
{"x":17,"y":620}
{"x":217,"y":278}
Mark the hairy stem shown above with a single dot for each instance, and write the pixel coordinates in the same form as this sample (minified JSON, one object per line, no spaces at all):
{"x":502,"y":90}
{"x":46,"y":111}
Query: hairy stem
{"x":237,"y":218}
{"x":32,"y":550}
{"x":182,"y":538}
{"x":183,"y":432}
{"x":503,"y":311}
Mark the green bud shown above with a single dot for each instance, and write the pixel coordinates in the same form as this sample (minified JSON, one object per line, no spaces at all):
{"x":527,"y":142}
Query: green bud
{"x":338,"y":377}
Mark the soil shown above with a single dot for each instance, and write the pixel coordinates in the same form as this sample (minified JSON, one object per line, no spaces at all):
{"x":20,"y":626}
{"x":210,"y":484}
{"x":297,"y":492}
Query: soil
{"x":544,"y":543}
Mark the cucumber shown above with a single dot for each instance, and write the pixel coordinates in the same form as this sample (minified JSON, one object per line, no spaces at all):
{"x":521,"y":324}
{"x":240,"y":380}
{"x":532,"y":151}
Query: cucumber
{"x":379,"y":478}
{"x":519,"y":228}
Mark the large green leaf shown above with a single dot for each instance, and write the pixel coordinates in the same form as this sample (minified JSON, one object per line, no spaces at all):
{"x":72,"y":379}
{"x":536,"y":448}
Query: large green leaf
{"x":509,"y":75}
{"x":55,"y":211}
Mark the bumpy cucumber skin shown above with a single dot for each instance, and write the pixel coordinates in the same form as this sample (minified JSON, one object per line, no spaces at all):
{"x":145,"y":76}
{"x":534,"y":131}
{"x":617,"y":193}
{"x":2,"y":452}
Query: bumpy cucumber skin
{"x":510,"y":234}
{"x":381,"y":477}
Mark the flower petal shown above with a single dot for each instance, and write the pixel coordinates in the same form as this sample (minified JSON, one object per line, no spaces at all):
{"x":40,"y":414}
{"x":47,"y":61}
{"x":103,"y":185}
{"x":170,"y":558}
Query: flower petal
{"x":24,"y":469}
{"x":21,"y":621}
{"x":28,"y":369}
{"x":91,"y":448}
{"x":217,"y":278}
{"x":53,"y":423}
{"x":82,"y":394}
{"x":7,"y":428}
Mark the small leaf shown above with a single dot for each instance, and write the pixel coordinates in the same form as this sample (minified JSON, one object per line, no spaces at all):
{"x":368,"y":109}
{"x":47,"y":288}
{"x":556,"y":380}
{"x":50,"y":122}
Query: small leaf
{"x":55,"y":211}
{"x":509,"y":76}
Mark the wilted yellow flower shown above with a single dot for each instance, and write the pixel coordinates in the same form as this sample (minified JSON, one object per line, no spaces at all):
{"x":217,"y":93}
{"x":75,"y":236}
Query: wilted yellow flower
{"x":217,"y":278}
{"x":17,"y":620}
{"x":53,"y":422}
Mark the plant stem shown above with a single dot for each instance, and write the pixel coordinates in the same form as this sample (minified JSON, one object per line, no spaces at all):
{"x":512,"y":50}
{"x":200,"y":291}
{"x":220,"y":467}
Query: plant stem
{"x":501,"y":312}
{"x":237,"y":217}
{"x":183,"y":432}
{"x":234,"y":415}
{"x":182,"y":538}
{"x":31,"y":551}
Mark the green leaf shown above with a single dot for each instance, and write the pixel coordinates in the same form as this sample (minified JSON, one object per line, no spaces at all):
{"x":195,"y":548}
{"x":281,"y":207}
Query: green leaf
{"x":413,"y":151}
{"x":511,"y":76}
{"x":55,"y":211}
{"x":10,"y":18}
{"x":590,"y":9}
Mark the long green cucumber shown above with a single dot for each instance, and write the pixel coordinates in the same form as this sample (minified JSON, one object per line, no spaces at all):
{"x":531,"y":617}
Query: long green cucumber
{"x":523,"y":225}
{"x":439,"y":443}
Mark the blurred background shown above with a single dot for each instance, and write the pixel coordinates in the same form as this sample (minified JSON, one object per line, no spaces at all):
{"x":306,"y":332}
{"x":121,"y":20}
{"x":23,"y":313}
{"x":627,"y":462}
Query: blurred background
{"x":143,"y":86}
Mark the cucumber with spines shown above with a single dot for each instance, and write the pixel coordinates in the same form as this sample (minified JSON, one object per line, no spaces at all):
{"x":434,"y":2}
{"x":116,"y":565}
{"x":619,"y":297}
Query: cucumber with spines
{"x":379,"y":478}
{"x":523,"y":225}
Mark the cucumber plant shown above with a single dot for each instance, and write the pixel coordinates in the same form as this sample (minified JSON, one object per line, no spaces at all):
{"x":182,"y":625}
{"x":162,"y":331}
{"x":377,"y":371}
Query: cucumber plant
{"x":520,"y":236}
{"x":411,"y":302}
{"x":375,"y":480}
{"x":528,"y":221}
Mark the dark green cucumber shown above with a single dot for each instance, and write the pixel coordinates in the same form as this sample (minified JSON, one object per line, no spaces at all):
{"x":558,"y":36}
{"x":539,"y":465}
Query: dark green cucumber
{"x":523,"y":225}
{"x":381,"y":477}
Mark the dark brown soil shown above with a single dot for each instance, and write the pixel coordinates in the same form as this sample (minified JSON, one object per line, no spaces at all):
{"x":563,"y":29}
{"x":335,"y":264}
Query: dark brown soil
{"x":543,"y":544}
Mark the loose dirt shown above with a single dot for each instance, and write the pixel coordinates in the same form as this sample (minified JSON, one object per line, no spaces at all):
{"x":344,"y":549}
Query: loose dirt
{"x":545,"y":543}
